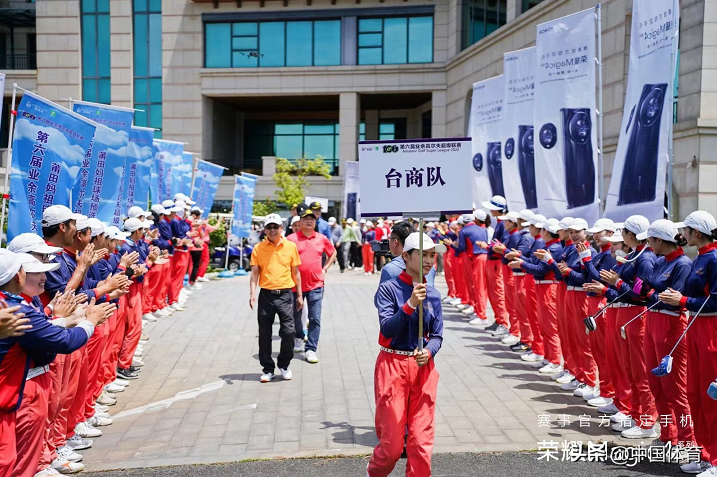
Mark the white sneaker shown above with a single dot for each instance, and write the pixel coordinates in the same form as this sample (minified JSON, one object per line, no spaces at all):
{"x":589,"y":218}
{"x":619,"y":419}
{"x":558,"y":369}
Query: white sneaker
{"x":711,"y":472}
{"x":618,"y":417}
{"x":565,"y":378}
{"x":608,"y":408}
{"x":571,"y":386}
{"x":501,"y":331}
{"x":551,"y":368}
{"x":202,"y":279}
{"x":310,"y":358}
{"x":286,"y":374}
{"x":639,"y":433}
{"x":600,"y":402}
{"x":47,"y":471}
{"x":587,"y":396}
{"x":149,"y":317}
{"x":100,"y":420}
{"x":66,"y":452}
{"x":468,"y":311}
{"x":559,"y":374}
{"x":446,"y":299}
{"x":143,"y":342}
{"x":696,"y":467}
{"x":298,"y":345}
{"x":185,"y":290}
{"x":105,"y":400}
{"x":64,"y":466}
{"x":114,"y":388}
{"x":455,"y":301}
{"x":583,"y":389}
{"x":78,"y":443}
{"x":197,"y":286}
{"x":85,"y":430}
{"x":266,"y":377}
{"x":177,"y":307}
{"x":624,"y":425}
{"x":101,"y":408}
{"x":510,"y":340}
{"x":121,"y":382}
{"x":532,"y":358}
{"x":161,"y":313}
{"x":137,"y":363}
{"x":138,"y":353}
{"x":461,"y":306}
{"x":479,"y":322}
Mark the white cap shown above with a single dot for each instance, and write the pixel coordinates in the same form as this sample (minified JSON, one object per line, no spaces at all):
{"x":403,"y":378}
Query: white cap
{"x":663,"y":229}
{"x":552,"y":226}
{"x":28,"y":242}
{"x":459,"y":220}
{"x":197,"y":209}
{"x":96,"y":226}
{"x":430,"y":225}
{"x":537,"y":220}
{"x":32,"y":265}
{"x":603,"y":224}
{"x":369,"y":223}
{"x":157,"y":209}
{"x":526,"y":215}
{"x":412,"y":243}
{"x":468,"y":218}
{"x":167,"y":203}
{"x":349,"y":221}
{"x":614,"y":238}
{"x":181,"y":205}
{"x":565,"y":223}
{"x":137,"y":212}
{"x":480,"y":214}
{"x":272,"y":219}
{"x":332,"y":220}
{"x":496,"y":203}
{"x":295,"y":219}
{"x":57,"y":214}
{"x":146,"y":223}
{"x":83,"y":223}
{"x":362,"y":221}
{"x":578,"y":224}
{"x":184,"y":198}
{"x":10,"y":264}
{"x":702,"y":221}
{"x":113,"y":232}
{"x":130,"y":225}
{"x":637,"y":224}
{"x":380,"y":222}
{"x":512,"y":216}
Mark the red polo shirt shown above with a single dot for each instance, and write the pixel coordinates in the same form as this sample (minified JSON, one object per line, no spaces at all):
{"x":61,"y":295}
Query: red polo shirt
{"x":311,"y":250}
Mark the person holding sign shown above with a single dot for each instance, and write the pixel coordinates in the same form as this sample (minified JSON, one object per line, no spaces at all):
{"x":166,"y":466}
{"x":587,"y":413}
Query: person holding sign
{"x":405,"y":377}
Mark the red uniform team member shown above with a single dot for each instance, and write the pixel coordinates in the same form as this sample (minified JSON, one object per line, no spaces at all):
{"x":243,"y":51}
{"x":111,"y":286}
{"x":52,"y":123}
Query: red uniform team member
{"x":494,"y":270}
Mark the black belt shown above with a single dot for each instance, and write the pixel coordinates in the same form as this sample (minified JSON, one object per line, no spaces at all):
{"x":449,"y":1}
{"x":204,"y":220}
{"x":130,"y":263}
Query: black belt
{"x":277,"y":292}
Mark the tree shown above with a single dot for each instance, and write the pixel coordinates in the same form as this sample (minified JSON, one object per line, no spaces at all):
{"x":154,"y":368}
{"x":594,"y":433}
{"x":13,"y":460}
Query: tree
{"x":262,"y":208}
{"x":291,"y":180}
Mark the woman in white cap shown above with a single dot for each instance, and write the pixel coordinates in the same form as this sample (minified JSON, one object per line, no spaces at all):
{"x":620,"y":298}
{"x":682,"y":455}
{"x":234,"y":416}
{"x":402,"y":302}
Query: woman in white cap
{"x":699,"y":294}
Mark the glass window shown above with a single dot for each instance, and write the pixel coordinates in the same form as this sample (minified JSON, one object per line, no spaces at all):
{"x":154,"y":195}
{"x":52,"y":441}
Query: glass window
{"x":481,"y":18}
{"x":528,"y":4}
{"x":299,"y":38}
{"x":147,"y":35}
{"x":218,"y":35}
{"x":272,"y":39}
{"x":327,"y":43}
{"x":95,"y":51}
{"x":395,"y":40}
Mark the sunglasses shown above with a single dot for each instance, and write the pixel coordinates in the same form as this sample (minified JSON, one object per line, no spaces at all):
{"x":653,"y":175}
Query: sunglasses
{"x":271,"y":227}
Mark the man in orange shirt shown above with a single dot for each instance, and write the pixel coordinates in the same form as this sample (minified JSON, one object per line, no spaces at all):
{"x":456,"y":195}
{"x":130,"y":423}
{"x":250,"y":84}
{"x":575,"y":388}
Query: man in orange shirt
{"x":275,"y":268}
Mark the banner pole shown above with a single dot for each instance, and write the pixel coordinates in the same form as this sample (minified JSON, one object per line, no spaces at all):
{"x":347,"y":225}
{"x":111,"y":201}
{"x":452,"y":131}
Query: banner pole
{"x":5,"y":194}
{"x":195,"y":165}
{"x":420,"y":280}
{"x":670,"y":141}
{"x":598,"y":60}
{"x":226,"y":250}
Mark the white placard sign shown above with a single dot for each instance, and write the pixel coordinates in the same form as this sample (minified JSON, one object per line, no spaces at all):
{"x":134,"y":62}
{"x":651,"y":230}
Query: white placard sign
{"x":321,"y":200}
{"x":485,"y":120}
{"x":415,"y":176}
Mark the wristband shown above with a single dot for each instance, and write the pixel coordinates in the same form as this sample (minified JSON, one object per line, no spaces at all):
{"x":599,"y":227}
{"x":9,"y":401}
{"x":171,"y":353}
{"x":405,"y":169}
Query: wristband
{"x":585,"y":254}
{"x":683,"y":302}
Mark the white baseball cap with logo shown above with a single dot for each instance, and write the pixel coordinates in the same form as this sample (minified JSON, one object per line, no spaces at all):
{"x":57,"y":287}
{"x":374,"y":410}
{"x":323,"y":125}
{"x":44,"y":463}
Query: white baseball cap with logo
{"x":168,"y":204}
{"x":526,"y":215}
{"x":498,"y":202}
{"x":614,"y":238}
{"x":480,"y":214}
{"x":32,"y":265}
{"x":96,"y":226}
{"x":28,"y":242}
{"x":113,"y":232}
{"x":512,"y":216}
{"x":565,"y":223}
{"x":412,"y":243}
{"x":702,"y":221}
{"x":664,"y":229}
{"x":273,"y":219}
{"x":57,"y":214}
{"x":332,"y":220}
{"x":538,"y":220}
{"x":637,"y":224}
{"x":578,"y":224}
{"x":10,"y":264}
{"x":295,"y":219}
{"x":601,"y":225}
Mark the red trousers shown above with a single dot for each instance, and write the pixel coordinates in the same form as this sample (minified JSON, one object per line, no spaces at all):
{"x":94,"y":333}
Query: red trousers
{"x":633,"y":361}
{"x":448,"y":260}
{"x":702,"y":365}
{"x":563,"y":329}
{"x":204,"y":264}
{"x":77,"y":409}
{"x":598,"y":346}
{"x":57,"y":376}
{"x":585,"y":367}
{"x":71,"y":381}
{"x":158,"y":285}
{"x":620,"y":381}
{"x":468,"y":278}
{"x":460,"y":278}
{"x":133,"y":325}
{"x":115,"y":340}
{"x":548,"y":320}
{"x":367,"y":255}
{"x":496,"y":290}
{"x":146,"y":302}
{"x":95,"y":380}
{"x":509,"y":285}
{"x":31,"y":421}
{"x":521,"y":308}
{"x":8,"y":452}
{"x":179,"y":263}
{"x":661,"y":334}
{"x":405,"y":398}
{"x":479,"y":285}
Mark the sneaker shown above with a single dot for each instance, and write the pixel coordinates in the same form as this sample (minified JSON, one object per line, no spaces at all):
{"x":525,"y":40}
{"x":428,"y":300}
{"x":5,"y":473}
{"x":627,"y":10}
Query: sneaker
{"x":68,"y":453}
{"x":455,"y":302}
{"x":286,"y":374}
{"x":540,"y":364}
{"x":202,"y":279}
{"x":571,"y":386}
{"x":600,"y":402}
{"x":608,"y":408}
{"x":559,"y":374}
{"x":711,"y":472}
{"x":478,"y":322}
{"x":639,"y":433}
{"x":99,"y":420}
{"x":105,"y":400}
{"x":135,"y":370}
{"x":594,"y":394}
{"x":177,"y":307}
{"x":532,"y":358}
{"x":185,"y":291}
{"x":64,"y":466}
{"x":583,"y":389}
{"x":85,"y":430}
{"x":161,"y":313}
{"x":196,"y":286}
{"x":695,"y":467}
{"x":137,"y":363}
{"x":101,"y":408}
{"x":551,"y":368}
{"x":565,"y":378}
{"x":114,"y":388}
{"x":111,"y":395}
{"x":446,"y":299}
{"x":520,"y":347}
{"x":500,"y":331}
{"x":492,"y":327}
{"x":298,"y":345}
{"x":46,"y":472}
{"x":618,"y":417}
{"x":468,"y":311}
{"x":126,"y":374}
{"x":149,"y":317}
{"x":510,"y":340}
{"x":462,"y":306}
{"x":624,"y":425}
{"x":266,"y":377}
{"x":143,"y":342}
{"x":310,"y":358}
{"x":78,"y":443}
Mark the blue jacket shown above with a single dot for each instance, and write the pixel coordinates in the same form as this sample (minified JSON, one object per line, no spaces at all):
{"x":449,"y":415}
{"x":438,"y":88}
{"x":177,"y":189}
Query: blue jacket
{"x":394,"y":268}
{"x":135,"y":247}
{"x":536,"y":267}
{"x":323,"y":227}
{"x":671,"y":271}
{"x":57,"y":279}
{"x":166,"y":235}
{"x":512,"y":243}
{"x":593,"y":264}
{"x":641,"y":268}
{"x":500,"y":234}
{"x":467,"y":238}
{"x":575,"y":277}
{"x":702,"y":281}
{"x":180,"y":227}
{"x":399,"y":323}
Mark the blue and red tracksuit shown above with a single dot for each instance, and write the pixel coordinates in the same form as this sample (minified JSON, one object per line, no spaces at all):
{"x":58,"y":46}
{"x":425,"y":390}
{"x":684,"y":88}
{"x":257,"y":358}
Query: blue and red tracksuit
{"x":132,"y":306}
{"x":474,"y":270}
{"x":511,"y":242}
{"x":58,"y":279}
{"x":494,"y":277}
{"x":405,"y":393}
{"x":181,"y":258}
{"x":524,"y":293}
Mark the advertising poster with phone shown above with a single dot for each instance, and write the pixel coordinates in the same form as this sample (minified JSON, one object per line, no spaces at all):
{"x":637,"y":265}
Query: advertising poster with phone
{"x":639,"y":171}
{"x":517,"y":126}
{"x":485,"y":130}
{"x":566,"y":147}
{"x":352,"y":201}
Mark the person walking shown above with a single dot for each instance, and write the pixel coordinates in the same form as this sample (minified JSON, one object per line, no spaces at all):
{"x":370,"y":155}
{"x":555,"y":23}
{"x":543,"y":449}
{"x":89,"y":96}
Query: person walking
{"x":349,"y":241}
{"x":275,"y":268}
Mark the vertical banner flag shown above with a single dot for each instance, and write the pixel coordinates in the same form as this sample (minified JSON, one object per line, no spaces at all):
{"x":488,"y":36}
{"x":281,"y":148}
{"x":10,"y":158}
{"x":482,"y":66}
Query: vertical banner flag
{"x":517,"y":126}
{"x":638,"y":175}
{"x":182,"y":174}
{"x":244,"y":188}
{"x":169,"y":153}
{"x":352,"y":199}
{"x":100,"y":185}
{"x":2,"y":93}
{"x":206,"y":183}
{"x":140,"y":154}
{"x":566,"y":152}
{"x":49,"y":145}
{"x":485,"y":130}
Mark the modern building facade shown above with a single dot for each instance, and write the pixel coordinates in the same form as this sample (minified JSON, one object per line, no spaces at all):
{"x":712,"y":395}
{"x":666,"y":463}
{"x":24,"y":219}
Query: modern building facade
{"x":244,"y":81}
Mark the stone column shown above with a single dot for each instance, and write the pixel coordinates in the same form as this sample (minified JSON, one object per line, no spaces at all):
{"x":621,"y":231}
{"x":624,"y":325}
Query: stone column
{"x":121,"y":48}
{"x":372,"y":124}
{"x":58,"y":50}
{"x":438,"y":113}
{"x":349,"y":120}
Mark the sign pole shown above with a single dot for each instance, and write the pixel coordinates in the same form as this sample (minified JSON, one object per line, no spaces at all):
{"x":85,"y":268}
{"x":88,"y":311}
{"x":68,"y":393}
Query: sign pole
{"x":598,"y":61}
{"x":226,"y":250}
{"x":8,"y":165}
{"x":420,"y":280}
{"x":670,"y":140}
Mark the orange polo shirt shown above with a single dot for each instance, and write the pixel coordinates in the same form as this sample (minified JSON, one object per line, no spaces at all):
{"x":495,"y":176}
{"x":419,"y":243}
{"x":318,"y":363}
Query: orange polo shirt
{"x":275,"y":263}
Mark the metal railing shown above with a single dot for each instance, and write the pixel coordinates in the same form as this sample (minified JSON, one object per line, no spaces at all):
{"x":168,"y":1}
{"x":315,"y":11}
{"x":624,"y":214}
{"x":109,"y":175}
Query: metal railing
{"x":18,"y":62}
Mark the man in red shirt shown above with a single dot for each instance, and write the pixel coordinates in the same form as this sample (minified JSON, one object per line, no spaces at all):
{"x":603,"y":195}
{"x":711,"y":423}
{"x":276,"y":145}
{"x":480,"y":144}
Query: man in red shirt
{"x":311,"y":246}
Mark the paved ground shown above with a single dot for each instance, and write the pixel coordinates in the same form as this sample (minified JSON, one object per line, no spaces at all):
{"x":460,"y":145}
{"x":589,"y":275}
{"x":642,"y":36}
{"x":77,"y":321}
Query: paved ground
{"x":199,"y":400}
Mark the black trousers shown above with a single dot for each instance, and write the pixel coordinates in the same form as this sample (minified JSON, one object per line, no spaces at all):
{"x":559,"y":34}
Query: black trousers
{"x":269,"y":305}
{"x":196,"y":260}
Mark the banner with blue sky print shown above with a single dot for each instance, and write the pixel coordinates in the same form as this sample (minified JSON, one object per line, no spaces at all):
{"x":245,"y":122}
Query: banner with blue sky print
{"x":140,"y":155}
{"x":182,"y":175}
{"x":206,"y":183}
{"x":244,"y":188}
{"x":49,"y":146}
{"x":100,"y":186}
{"x":167,"y":155}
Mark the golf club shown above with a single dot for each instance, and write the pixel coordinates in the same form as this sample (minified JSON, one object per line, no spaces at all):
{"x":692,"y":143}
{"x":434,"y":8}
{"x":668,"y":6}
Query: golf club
{"x":665,"y":366}
{"x":590,"y":323}
{"x":622,"y":328}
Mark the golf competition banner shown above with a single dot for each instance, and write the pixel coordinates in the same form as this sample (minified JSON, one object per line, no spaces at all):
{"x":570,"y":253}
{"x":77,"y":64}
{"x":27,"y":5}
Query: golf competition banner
{"x":404,"y":177}
{"x":49,"y":146}
{"x":352,"y":200}
{"x":566,"y":145}
{"x":140,"y":154}
{"x":182,"y":174}
{"x":206,"y":183}
{"x":639,"y":171}
{"x":485,"y":130}
{"x":517,"y":125}
{"x":244,"y":188}
{"x":167,"y":155}
{"x":100,"y":185}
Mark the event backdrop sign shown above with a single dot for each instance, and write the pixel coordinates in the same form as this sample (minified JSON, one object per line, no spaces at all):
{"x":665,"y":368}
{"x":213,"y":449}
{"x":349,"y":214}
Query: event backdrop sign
{"x":244,"y":188}
{"x":566,"y":147}
{"x":519,"y":179}
{"x":638,"y":176}
{"x":415,"y":176}
{"x":100,"y":185}
{"x":485,"y":129}
{"x":168,"y":154}
{"x":352,"y":199}
{"x":140,"y":154}
{"x":206,"y":183}
{"x":49,"y":146}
